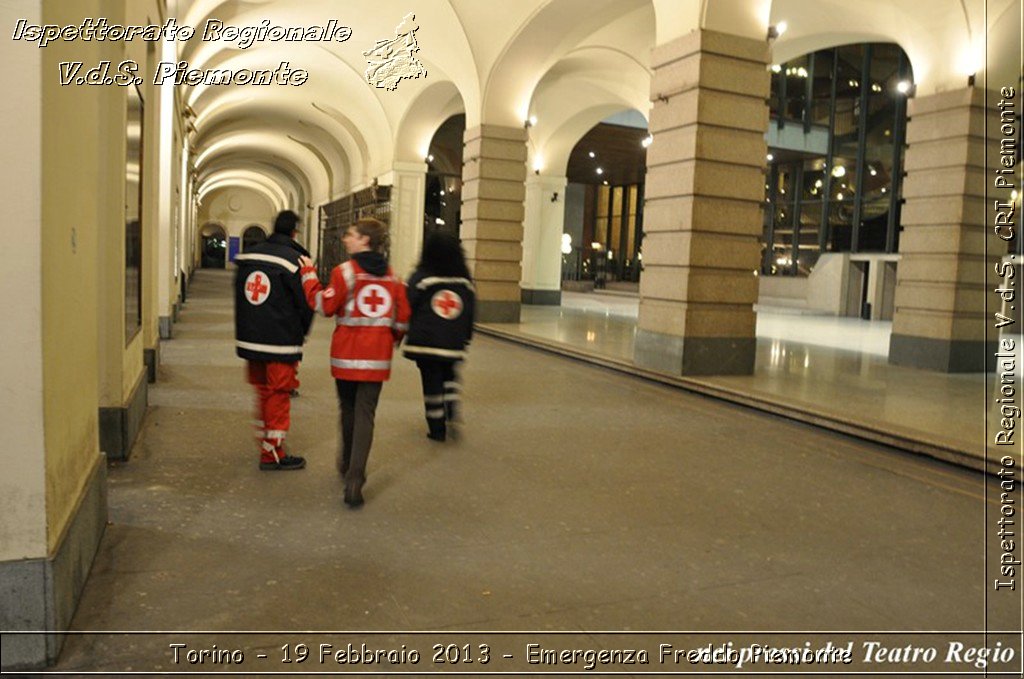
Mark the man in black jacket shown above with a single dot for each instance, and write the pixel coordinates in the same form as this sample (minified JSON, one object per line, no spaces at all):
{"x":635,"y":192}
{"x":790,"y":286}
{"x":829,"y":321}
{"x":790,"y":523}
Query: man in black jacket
{"x":271,"y":323}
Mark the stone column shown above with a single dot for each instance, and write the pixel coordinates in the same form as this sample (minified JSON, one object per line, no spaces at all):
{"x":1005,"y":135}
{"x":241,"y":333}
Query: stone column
{"x":408,"y":189}
{"x":939,"y":321}
{"x":542,"y":239}
{"x":702,"y":213}
{"x":493,"y":172}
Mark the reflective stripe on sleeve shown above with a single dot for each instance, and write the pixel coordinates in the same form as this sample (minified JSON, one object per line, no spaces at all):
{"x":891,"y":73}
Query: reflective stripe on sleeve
{"x":309,"y":276}
{"x":404,"y":327}
{"x":350,"y":364}
{"x":275,"y":434}
{"x":319,"y":297}
{"x":268,"y":348}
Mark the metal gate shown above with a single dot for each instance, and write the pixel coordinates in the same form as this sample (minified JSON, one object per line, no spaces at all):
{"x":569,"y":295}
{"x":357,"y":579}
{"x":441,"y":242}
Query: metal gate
{"x":339,"y":214}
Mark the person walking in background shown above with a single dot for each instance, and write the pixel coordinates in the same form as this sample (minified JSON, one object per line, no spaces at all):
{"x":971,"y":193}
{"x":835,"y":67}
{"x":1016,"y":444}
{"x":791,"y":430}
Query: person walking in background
{"x":442,"y":299}
{"x":272,"y":320}
{"x":372,"y":315}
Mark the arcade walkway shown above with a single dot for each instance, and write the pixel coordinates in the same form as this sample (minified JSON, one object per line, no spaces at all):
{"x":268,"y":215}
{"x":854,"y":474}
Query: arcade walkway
{"x":577,"y":498}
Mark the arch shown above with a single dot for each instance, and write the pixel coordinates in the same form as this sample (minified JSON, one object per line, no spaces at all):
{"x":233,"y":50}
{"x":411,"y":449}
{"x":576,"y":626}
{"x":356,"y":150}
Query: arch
{"x":598,"y":81}
{"x":942,"y":53}
{"x":433,"y":106}
{"x":542,"y":41}
{"x":260,"y":184}
{"x":254,"y":149}
{"x":213,"y":246}
{"x":560,"y":147}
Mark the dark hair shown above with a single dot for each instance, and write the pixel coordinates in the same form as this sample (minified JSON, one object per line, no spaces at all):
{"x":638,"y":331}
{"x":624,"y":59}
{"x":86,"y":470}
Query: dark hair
{"x":286,"y":223}
{"x":376,"y":230}
{"x":443,"y":256}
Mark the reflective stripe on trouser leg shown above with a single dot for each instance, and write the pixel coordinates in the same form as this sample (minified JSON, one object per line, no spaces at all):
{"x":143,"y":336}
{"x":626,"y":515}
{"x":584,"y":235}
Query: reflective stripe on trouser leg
{"x":271,"y":450}
{"x":451,"y":392}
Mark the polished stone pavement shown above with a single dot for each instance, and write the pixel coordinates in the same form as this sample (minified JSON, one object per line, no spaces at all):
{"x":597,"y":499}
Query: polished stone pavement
{"x":820,"y":369}
{"x":577,"y":498}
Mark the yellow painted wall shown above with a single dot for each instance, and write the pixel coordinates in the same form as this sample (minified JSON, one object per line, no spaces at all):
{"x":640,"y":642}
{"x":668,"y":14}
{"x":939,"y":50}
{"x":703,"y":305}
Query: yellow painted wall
{"x":22,"y":458}
{"x":86,"y":362}
{"x":74,"y":206}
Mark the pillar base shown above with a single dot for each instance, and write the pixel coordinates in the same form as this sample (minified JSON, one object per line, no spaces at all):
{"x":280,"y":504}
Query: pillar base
{"x":151,"y":358}
{"x":694,"y":355}
{"x":497,"y":312}
{"x":949,"y":356}
{"x":42,"y":594}
{"x":542,"y":297}
{"x":119,"y":427}
{"x":165,"y":327}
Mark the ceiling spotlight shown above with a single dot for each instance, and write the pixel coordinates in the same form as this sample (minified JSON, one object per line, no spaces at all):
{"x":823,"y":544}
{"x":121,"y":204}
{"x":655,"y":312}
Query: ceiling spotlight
{"x":591,"y":154}
{"x":647,"y":141}
{"x":906,"y":87}
{"x":600,"y":171}
{"x":770,"y":157}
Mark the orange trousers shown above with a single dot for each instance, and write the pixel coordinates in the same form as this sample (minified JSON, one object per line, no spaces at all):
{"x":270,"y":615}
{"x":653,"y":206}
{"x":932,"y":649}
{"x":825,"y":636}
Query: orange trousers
{"x":273,"y":383}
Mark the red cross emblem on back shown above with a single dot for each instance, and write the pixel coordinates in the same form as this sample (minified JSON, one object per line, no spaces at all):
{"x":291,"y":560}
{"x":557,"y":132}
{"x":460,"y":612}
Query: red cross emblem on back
{"x":374,"y":301}
{"x":446,"y":304}
{"x":257,"y":288}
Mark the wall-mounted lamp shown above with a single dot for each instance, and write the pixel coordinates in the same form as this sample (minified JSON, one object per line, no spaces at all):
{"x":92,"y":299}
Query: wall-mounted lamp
{"x":906,"y":87}
{"x":554,"y":197}
{"x":970,"y":79}
{"x":775,"y":30}
{"x":530,"y":122}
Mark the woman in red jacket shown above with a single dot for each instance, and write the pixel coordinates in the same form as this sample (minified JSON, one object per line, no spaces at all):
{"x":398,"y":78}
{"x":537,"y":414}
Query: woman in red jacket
{"x":372,"y":314}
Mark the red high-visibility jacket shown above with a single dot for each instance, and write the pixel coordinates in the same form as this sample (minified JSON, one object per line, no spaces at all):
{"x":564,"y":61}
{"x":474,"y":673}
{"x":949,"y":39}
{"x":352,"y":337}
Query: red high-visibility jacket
{"x":372,"y":313}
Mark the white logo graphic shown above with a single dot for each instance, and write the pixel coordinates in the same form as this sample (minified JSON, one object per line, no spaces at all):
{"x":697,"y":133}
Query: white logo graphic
{"x":392,"y":60}
{"x":446,"y":304}
{"x":374,"y":301}
{"x":257,"y":288}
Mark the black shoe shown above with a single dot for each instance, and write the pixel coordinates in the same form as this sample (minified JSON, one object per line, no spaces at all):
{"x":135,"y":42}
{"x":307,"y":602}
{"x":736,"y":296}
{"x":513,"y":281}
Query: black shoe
{"x":436,"y":436}
{"x":354,"y":493}
{"x":286,"y":463}
{"x":294,"y":393}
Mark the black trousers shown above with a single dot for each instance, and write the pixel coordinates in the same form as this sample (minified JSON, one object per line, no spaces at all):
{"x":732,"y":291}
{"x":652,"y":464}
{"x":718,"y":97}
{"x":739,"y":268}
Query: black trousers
{"x":441,"y":395}
{"x":358,"y":404}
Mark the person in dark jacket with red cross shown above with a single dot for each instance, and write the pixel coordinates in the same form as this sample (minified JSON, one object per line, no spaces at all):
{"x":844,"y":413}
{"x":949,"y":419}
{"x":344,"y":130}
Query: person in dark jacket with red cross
{"x":272,"y":320}
{"x":442,"y":299}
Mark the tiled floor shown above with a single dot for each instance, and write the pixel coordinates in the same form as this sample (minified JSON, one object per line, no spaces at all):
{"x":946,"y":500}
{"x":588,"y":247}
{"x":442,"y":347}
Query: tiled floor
{"x":834,"y":368}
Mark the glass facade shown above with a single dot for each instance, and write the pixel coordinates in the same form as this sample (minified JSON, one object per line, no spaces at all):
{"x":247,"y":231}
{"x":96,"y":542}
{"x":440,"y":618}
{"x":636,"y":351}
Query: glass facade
{"x":835,"y":146}
{"x":611,"y":237}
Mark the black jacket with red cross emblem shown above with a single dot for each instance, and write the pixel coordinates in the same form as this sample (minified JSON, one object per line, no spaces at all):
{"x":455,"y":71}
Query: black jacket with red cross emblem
{"x":271,"y":314}
{"x":441,"y":324}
